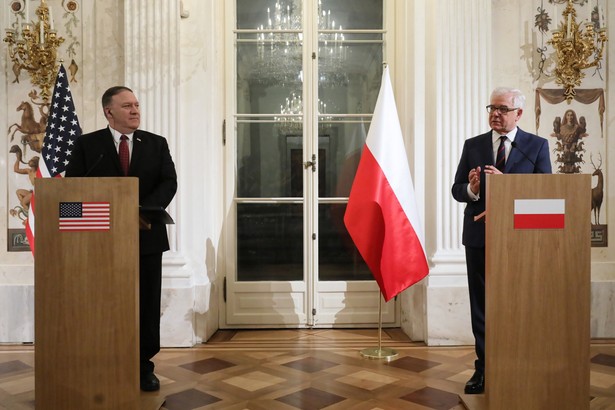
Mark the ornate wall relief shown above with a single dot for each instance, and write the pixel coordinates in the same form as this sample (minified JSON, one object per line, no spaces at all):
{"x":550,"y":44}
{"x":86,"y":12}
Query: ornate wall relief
{"x":568,"y":67}
{"x":38,"y":23}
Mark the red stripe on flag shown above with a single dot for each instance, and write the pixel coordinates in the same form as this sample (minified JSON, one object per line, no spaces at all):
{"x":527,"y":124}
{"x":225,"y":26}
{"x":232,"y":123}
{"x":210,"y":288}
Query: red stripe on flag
{"x":30,"y":220}
{"x":539,"y":221}
{"x":382,"y":232}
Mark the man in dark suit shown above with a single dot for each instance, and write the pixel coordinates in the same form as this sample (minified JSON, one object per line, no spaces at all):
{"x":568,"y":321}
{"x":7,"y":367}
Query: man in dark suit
{"x":147,"y":157}
{"x":505,"y":149}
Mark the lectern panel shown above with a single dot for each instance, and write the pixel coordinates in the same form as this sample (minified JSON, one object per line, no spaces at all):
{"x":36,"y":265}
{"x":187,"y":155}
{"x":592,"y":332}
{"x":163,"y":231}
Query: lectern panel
{"x":86,"y":293}
{"x":538,"y":292}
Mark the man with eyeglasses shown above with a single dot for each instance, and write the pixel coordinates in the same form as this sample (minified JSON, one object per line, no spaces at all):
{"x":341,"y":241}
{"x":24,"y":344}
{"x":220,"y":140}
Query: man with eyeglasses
{"x":504,"y":149}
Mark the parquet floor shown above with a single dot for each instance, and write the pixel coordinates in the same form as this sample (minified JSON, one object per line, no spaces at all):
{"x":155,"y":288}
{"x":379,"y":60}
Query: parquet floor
{"x":305,"y":369}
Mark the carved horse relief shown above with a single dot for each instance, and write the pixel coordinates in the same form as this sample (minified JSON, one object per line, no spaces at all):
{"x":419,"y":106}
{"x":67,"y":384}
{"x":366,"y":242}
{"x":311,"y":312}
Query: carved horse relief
{"x":33,"y":131}
{"x":32,"y":134}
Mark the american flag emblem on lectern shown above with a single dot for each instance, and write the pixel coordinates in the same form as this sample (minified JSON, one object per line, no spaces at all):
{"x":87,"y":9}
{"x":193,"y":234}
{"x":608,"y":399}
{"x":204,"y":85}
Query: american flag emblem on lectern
{"x":85,"y":216}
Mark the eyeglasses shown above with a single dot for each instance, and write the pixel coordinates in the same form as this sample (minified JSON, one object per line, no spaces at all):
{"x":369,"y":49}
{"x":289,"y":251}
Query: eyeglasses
{"x":501,"y":109}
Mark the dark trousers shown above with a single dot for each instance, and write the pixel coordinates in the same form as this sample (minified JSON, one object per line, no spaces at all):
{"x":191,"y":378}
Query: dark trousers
{"x":475,"y":262}
{"x":150,"y":289}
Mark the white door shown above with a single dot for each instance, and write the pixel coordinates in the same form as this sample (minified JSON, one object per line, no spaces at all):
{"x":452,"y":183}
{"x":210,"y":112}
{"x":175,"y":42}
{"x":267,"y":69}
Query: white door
{"x":306,"y":75}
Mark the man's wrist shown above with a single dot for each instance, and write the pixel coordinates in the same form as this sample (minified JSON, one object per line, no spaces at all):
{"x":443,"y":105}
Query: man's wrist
{"x":474,"y":197}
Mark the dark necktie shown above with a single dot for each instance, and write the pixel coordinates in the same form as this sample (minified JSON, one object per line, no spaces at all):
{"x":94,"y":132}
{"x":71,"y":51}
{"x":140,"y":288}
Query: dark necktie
{"x":500,"y":158}
{"x":124,"y":154}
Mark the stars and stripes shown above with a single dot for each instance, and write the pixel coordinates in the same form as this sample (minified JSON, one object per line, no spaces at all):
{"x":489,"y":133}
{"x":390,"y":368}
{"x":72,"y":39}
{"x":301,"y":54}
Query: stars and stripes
{"x":62,"y":129}
{"x":60,"y":135}
{"x":84,"y":216}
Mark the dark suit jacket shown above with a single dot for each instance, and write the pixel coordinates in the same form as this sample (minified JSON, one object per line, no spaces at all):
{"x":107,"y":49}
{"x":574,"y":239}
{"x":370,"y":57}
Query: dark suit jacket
{"x":95,"y":155}
{"x":478,"y":151}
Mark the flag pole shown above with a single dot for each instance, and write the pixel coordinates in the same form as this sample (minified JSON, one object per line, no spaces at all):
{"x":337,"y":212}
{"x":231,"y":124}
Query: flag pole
{"x":379,"y":352}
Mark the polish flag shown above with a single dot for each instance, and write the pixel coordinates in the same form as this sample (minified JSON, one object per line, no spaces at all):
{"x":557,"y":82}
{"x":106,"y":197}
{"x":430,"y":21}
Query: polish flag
{"x":539,"y":213}
{"x":381,"y":216}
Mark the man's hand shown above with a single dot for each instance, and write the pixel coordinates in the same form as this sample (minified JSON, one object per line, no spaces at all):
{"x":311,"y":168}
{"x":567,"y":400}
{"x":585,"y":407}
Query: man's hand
{"x":491,"y":169}
{"x":474,"y":178}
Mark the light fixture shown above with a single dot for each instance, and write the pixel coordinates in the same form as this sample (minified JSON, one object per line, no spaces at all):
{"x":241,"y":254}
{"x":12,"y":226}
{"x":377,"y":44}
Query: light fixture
{"x":290,"y":120}
{"x":279,"y":42}
{"x":577,"y":48}
{"x":33,"y":46}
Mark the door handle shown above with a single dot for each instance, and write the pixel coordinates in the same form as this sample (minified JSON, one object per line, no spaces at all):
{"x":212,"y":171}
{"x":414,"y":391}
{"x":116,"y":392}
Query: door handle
{"x":311,"y":163}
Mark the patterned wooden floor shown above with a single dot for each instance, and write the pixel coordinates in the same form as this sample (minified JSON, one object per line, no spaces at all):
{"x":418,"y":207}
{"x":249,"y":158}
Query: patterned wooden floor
{"x":305,"y":369}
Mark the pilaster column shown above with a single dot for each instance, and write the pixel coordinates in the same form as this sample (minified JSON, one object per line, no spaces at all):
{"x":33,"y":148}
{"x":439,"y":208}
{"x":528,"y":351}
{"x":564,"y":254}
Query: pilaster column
{"x":152,"y":71}
{"x":463,"y":77}
{"x":462,"y":80}
{"x":151,"y":39}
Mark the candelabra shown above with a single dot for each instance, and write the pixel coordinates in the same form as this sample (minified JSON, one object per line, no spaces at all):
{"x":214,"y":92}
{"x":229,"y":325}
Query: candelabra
{"x":33,"y":46}
{"x":279,"y":42}
{"x":576,"y":49}
{"x":290,"y":120}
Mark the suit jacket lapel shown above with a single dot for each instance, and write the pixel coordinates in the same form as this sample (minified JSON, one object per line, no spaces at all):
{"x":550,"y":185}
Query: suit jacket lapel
{"x":111,"y":149}
{"x":515,"y":155}
{"x":487,"y":150}
{"x":137,"y":151}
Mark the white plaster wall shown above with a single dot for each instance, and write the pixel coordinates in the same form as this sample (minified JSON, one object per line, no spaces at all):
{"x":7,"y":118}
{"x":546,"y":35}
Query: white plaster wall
{"x":17,"y":307}
{"x":201,"y":142}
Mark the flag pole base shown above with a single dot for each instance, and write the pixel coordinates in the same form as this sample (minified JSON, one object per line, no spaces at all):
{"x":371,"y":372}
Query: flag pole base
{"x":379,"y":353}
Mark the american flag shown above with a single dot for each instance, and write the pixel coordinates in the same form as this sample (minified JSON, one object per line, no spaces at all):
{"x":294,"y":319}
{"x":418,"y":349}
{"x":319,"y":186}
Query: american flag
{"x":60,"y":135}
{"x":84,"y":216}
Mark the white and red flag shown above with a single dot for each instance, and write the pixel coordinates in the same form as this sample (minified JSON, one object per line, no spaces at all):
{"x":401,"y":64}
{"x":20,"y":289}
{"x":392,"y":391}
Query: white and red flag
{"x":381,"y":216}
{"x":540,"y":213}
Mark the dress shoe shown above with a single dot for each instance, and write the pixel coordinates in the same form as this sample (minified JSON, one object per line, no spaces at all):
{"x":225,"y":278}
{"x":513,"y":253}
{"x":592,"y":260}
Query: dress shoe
{"x":149,"y":382}
{"x":476,"y":385}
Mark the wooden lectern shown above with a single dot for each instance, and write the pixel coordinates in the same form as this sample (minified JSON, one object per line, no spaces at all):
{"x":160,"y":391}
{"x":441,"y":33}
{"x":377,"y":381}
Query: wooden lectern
{"x":86,"y":293}
{"x":537,"y":293}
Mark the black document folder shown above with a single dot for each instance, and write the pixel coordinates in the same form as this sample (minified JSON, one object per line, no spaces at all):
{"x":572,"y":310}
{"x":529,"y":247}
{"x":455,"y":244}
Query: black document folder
{"x":155,"y":215}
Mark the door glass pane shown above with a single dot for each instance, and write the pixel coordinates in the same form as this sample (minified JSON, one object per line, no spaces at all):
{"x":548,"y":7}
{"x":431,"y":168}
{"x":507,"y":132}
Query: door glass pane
{"x":350,"y":70}
{"x":276,"y":14}
{"x":269,"y":127}
{"x":270,"y":143}
{"x":349,"y":75}
{"x":351,"y":14}
{"x":349,"y":79}
{"x":269,"y":54}
{"x":340,"y":146}
{"x":269,"y":242}
{"x":338,"y":257}
{"x":269,"y":161}
{"x":268,"y":73}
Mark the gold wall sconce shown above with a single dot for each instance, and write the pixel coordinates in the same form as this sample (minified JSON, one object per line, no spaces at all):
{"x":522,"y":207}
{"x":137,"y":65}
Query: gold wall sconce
{"x":576,"y":48}
{"x":33,"y":46}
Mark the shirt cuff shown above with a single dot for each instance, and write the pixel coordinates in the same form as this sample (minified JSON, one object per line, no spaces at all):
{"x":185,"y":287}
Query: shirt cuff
{"x":474,"y":197}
